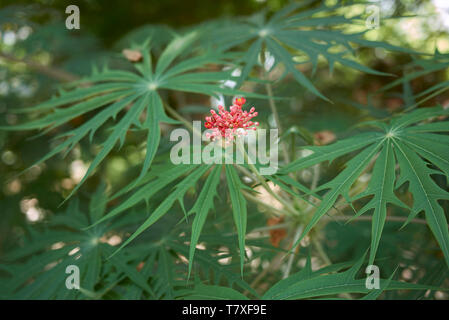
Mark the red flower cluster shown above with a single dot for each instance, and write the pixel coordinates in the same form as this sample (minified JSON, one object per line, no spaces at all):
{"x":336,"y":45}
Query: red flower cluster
{"x":228,"y":124}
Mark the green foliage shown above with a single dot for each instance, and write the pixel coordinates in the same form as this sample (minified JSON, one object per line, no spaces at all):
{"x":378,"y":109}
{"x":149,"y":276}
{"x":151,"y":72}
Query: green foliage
{"x":137,"y":93}
{"x":210,"y":231}
{"x":308,"y":284}
{"x":400,"y":141}
{"x":287,"y":29}
{"x":329,"y":281}
{"x":77,"y":247}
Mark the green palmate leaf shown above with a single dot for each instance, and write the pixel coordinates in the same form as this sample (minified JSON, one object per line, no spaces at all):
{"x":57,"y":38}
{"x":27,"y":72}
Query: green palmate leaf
{"x":405,"y":142}
{"x":308,"y":284}
{"x":238,"y":204}
{"x":77,"y":95}
{"x":341,"y":185}
{"x":203,"y":205}
{"x":292,"y":31}
{"x":114,"y":91}
{"x":426,"y":193}
{"x":90,"y":126}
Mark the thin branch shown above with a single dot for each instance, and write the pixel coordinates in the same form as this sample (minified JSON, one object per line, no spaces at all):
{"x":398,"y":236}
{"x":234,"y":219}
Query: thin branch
{"x":48,"y":71}
{"x":263,"y":182}
{"x":292,"y":256}
{"x":276,"y":120}
{"x":178,"y":117}
{"x":246,"y":172}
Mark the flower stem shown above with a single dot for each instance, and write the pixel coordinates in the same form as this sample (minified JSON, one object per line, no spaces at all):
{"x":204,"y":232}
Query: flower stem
{"x":276,"y":119}
{"x":269,"y":89}
{"x":177,"y":116}
{"x":292,"y":255}
{"x":261,"y":179}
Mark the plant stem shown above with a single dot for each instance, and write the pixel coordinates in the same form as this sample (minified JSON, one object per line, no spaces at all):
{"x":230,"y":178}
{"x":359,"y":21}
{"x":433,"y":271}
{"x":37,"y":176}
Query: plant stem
{"x":273,"y":108}
{"x":321,"y":251}
{"x":177,"y":116}
{"x":316,"y":177}
{"x":292,"y":255}
{"x":277,"y":212}
{"x":261,"y":179}
{"x":246,"y":172}
{"x":269,"y":89}
{"x":52,"y":72}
